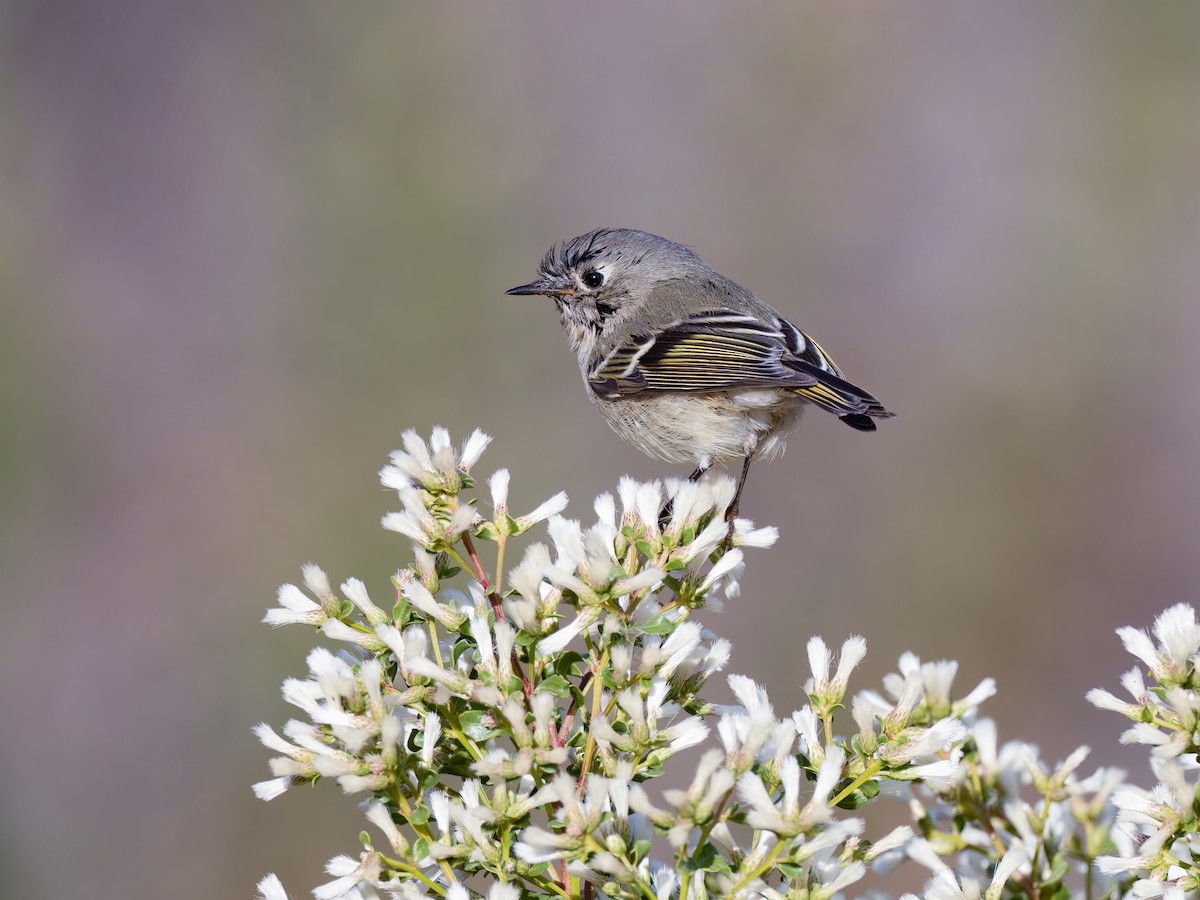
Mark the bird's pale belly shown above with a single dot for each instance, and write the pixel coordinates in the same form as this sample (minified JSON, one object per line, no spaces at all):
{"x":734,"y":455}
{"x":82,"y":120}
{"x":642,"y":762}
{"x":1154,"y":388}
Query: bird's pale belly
{"x":703,"y":429}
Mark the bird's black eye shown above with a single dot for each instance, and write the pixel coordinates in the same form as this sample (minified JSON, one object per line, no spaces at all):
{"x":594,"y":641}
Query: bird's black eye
{"x":592,"y":278}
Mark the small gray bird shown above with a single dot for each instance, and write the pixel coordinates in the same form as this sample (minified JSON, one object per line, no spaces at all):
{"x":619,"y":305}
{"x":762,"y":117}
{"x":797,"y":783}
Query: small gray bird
{"x":683,"y":363}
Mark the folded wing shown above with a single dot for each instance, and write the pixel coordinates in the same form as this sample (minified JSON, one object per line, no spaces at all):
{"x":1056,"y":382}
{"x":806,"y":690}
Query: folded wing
{"x":722,"y":349}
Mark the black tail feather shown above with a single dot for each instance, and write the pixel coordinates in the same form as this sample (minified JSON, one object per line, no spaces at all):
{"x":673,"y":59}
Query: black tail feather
{"x":859,"y":421}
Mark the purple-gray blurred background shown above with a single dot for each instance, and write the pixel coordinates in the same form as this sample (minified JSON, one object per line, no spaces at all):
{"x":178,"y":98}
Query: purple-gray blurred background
{"x":243,"y":246}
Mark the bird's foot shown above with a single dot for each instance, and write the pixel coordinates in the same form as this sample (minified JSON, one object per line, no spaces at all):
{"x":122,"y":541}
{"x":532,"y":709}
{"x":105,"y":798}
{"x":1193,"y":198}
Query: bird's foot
{"x":731,"y":515}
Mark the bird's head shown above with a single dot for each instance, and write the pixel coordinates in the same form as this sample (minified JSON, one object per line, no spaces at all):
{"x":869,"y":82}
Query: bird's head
{"x":599,"y":279}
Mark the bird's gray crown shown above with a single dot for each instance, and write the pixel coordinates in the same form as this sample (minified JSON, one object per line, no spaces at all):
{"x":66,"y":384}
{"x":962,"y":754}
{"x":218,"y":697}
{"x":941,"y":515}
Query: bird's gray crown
{"x":625,"y":245}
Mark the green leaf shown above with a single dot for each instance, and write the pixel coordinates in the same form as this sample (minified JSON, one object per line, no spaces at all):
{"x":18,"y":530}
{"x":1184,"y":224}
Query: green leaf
{"x":444,"y":566}
{"x":420,"y":815}
{"x":640,"y":850}
{"x":477,"y":724}
{"x":644,"y":548}
{"x":572,"y":662}
{"x":487,"y":531}
{"x":420,"y":849}
{"x":674,"y":565}
{"x":855,"y":800}
{"x":460,"y":647}
{"x":659,"y":625}
{"x":525,"y":639}
{"x":1059,"y":868}
{"x":556,"y":685}
{"x":702,"y":859}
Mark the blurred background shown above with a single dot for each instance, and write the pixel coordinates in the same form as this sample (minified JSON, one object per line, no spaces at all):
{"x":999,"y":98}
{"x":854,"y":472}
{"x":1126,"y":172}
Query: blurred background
{"x":242,"y":247}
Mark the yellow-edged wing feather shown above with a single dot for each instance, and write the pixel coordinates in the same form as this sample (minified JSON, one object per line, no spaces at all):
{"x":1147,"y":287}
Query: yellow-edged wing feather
{"x":720,"y":350}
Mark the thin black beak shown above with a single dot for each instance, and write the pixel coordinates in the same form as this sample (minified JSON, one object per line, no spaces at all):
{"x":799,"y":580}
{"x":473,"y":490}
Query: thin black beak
{"x":542,"y":286}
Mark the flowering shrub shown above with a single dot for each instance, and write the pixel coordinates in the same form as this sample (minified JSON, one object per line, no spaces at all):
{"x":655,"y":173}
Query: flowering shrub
{"x":502,"y":724}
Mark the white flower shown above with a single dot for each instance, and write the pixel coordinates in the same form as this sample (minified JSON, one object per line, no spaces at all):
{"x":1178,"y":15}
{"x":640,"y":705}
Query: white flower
{"x":378,"y":815}
{"x":829,"y":691}
{"x":808,"y":728}
{"x":818,"y":809}
{"x":271,"y":888}
{"x":473,"y":448}
{"x":1164,"y":744}
{"x":433,"y":467}
{"x":559,"y":640}
{"x":915,"y":743}
{"x":907,"y":691}
{"x":1117,"y":865}
{"x":893,"y":840}
{"x":412,"y":643}
{"x":705,"y":661}
{"x":356,"y":593}
{"x":317,"y":581}
{"x":415,"y":522}
{"x":710,"y":785}
{"x":348,"y":874}
{"x":725,"y":573}
{"x":939,"y":775}
{"x":1012,"y":860}
{"x":544,"y":510}
{"x":295,"y":608}
{"x":648,"y":502}
{"x":338,"y":630}
{"x":433,"y":732}
{"x":567,"y":536}
{"x":272,"y":788}
{"x":944,"y":886}
{"x":296,"y":763}
{"x":1178,"y":640}
{"x":645,"y":580}
{"x":709,"y":539}
{"x":819,"y":659}
{"x":746,"y":535}
{"x":498,"y":485}
{"x":666,"y":658}
{"x":690,"y":500}
{"x":936,"y":681}
{"x":420,"y":597}
{"x":921,"y":851}
{"x":1103,"y":699}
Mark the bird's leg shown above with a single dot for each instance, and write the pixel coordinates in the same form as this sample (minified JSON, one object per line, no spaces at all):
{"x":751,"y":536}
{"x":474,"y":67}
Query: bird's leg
{"x":664,"y":517}
{"x":731,"y":513}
